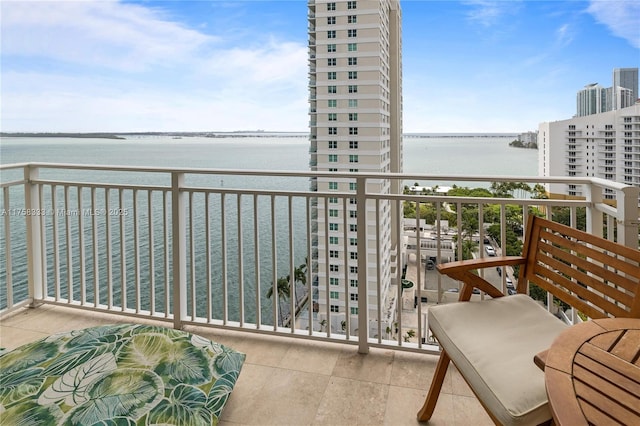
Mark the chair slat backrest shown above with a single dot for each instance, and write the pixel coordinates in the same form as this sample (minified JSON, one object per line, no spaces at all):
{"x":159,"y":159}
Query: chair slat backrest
{"x":598,"y":277}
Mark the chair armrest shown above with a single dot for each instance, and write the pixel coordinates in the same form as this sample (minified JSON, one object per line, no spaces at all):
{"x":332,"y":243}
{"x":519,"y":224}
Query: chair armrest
{"x":461,"y":270}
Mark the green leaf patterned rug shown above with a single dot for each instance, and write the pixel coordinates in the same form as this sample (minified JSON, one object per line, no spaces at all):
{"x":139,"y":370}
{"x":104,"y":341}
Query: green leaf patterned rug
{"x":125,"y":374}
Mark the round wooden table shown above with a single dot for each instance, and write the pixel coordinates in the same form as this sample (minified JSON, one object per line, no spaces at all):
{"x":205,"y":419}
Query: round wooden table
{"x":592,"y":373}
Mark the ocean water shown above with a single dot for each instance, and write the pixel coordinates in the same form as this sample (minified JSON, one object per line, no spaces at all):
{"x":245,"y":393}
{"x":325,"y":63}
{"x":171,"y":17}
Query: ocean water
{"x":445,"y":156}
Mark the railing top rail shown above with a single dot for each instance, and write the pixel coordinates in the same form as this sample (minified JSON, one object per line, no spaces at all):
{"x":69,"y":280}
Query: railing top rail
{"x":337,"y":175}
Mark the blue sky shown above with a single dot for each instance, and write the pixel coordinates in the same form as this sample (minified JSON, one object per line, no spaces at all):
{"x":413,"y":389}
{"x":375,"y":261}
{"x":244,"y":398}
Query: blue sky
{"x":470,"y":66}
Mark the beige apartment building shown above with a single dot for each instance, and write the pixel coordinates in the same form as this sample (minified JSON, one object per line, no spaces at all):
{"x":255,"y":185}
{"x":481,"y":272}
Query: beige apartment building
{"x":605,"y":145}
{"x":355,"y":97}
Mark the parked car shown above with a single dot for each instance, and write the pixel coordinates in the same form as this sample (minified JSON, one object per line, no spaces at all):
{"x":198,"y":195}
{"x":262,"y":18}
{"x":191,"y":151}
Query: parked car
{"x":490,"y":250}
{"x":509,"y":282}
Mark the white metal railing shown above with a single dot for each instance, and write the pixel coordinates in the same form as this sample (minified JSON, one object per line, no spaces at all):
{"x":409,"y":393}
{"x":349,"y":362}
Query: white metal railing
{"x":199,"y":246}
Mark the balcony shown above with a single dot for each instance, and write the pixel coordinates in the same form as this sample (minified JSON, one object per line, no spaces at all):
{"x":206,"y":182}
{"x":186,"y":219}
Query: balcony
{"x":294,"y":381}
{"x":198,"y":249}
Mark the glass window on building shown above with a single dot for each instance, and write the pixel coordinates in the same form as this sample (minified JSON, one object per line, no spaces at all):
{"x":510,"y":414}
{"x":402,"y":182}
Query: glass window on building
{"x":352,"y":19}
{"x":353,"y":144}
{"x":353,"y":88}
{"x":334,"y":227}
{"x":352,"y":47}
{"x":351,"y":5}
{"x":353,"y":103}
{"x":331,"y":34}
{"x":332,"y":89}
{"x":331,"y":20}
{"x":353,"y":75}
{"x":352,"y":33}
{"x":331,"y":48}
{"x":332,"y":75}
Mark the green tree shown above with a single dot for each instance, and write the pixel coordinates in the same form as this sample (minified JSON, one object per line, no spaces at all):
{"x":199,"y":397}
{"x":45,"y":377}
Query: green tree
{"x":284,"y":292}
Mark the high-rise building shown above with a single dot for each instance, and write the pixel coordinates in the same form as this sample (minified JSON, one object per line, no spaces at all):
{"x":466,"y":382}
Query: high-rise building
{"x":355,"y":96}
{"x":592,"y":99}
{"x":605,"y":145}
{"x":626,"y":78}
{"x":595,"y":99}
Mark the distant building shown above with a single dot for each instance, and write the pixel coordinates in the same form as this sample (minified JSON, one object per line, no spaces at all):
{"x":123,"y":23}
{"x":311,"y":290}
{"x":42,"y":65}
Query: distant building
{"x":604,"y":145}
{"x":528,"y":138}
{"x":591,"y":100}
{"x":355,"y":97}
{"x":595,"y":99}
{"x":625,"y":78}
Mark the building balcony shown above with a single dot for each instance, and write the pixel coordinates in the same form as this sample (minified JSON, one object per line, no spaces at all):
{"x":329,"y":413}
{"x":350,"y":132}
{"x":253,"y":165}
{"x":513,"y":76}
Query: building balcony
{"x":198,"y":249}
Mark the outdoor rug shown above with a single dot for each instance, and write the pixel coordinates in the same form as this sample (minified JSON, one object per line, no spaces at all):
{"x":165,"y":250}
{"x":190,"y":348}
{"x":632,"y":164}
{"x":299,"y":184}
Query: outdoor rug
{"x":124,"y":374}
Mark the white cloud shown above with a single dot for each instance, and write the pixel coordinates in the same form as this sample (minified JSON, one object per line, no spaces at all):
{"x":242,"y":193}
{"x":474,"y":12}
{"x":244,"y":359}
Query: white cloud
{"x":96,"y":33}
{"x":489,"y":13}
{"x":121,"y":67}
{"x":622,"y":17}
{"x":564,"y":35}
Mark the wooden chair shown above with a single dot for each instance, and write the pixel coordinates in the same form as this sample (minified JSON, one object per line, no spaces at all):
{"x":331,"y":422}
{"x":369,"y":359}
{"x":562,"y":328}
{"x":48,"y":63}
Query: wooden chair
{"x":493,"y":342}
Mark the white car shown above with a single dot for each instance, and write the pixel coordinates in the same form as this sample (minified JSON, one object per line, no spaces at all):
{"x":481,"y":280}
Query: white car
{"x":490,"y":251}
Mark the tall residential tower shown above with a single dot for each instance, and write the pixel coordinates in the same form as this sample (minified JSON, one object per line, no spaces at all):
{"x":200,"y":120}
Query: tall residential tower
{"x":355,"y":96}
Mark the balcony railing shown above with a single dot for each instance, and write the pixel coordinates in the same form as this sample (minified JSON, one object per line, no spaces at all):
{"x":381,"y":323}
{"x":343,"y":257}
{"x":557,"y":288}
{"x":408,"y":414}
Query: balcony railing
{"x":200,"y":246}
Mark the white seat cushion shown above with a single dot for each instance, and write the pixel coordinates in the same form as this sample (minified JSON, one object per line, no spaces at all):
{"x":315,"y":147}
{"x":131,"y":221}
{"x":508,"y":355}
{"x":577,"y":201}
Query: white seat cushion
{"x":492,"y":343}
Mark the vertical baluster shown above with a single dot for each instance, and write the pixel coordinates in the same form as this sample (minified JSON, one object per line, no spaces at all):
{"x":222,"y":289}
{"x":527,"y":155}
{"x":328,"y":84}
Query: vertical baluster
{"x":56,"y":241}
{"x":69,"y":243}
{"x":292,"y":267}
{"x":192,"y":258}
{"x":81,"y":250}
{"x":207,"y":237}
{"x":399,"y":228}
{"x":107,"y":218}
{"x":96,"y":261}
{"x":327,"y":280}
{"x":309,"y":261}
{"x":345,"y":261}
{"x":44,"y":288}
{"x":223,"y":237}
{"x":274,"y":297}
{"x":165,"y":208}
{"x":152,"y":260}
{"x":7,"y":242}
{"x":136,"y":247}
{"x":256,"y":244}
{"x":363,"y":314}
{"x":240,"y":262}
{"x":123,"y":251}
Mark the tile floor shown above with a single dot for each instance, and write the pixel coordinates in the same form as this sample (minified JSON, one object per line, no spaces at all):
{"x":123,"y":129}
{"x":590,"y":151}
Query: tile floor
{"x":287,"y":381}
